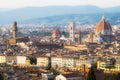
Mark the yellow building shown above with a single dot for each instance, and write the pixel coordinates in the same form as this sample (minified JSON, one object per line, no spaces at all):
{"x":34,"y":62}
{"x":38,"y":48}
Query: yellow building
{"x":27,"y":62}
{"x":12,"y":41}
{"x":2,"y":59}
{"x":104,"y":65}
{"x":76,"y":47}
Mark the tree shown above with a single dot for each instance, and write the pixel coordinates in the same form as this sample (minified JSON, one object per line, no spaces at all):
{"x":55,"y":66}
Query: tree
{"x":1,"y":77}
{"x":48,"y":67}
{"x":52,"y":70}
{"x":91,"y":75}
{"x":112,"y":62}
{"x":33,"y":60}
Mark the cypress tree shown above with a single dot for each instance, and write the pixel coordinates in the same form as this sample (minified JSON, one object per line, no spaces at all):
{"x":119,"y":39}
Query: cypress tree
{"x":91,"y":75}
{"x":1,"y":77}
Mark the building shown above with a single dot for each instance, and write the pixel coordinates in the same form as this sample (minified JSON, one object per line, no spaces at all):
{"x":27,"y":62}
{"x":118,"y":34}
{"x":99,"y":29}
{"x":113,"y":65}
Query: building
{"x":106,"y":66}
{"x":47,"y":76}
{"x":14,"y":30}
{"x":11,"y":59}
{"x":103,"y":31}
{"x":76,"y":47}
{"x":13,"y":41}
{"x":81,"y":62}
{"x":56,"y":33}
{"x":72,"y":31}
{"x":79,"y":37}
{"x":27,"y":61}
{"x":73,"y":35}
{"x":23,"y":45}
{"x":42,"y":61}
{"x":56,"y":62}
{"x":2,"y":59}
{"x":21,"y":60}
{"x":68,"y":62}
{"x":69,"y":77}
{"x":16,"y":59}
{"x":91,"y":37}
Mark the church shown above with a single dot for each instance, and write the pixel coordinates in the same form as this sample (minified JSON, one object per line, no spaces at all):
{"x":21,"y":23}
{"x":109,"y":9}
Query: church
{"x":103,"y":32}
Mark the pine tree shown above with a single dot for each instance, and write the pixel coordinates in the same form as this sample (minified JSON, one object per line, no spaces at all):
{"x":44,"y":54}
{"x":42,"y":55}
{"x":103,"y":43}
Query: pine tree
{"x":91,"y":75}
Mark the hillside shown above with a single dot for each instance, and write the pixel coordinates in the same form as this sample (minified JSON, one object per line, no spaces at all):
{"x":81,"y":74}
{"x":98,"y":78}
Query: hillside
{"x":49,"y":13}
{"x":113,"y":18}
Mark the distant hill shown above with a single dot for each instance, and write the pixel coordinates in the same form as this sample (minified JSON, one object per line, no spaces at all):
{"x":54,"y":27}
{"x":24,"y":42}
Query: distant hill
{"x":55,"y":14}
{"x":113,"y":18}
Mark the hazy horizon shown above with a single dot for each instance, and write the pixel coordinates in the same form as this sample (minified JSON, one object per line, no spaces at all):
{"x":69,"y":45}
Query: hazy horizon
{"x":12,"y":4}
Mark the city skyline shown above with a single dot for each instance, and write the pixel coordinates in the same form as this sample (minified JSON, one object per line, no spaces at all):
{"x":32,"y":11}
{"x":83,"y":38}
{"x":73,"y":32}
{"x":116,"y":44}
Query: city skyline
{"x":12,"y":4}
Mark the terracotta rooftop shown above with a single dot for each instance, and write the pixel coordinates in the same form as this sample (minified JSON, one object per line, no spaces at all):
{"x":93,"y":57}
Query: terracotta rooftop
{"x":56,"y":32}
{"x":103,"y":25}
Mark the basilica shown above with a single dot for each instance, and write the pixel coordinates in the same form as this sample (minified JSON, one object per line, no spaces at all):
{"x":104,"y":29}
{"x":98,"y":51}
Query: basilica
{"x":103,"y":33}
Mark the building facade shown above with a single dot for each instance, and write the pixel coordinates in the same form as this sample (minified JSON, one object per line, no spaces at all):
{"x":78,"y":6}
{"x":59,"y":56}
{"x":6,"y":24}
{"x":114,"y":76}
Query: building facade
{"x":68,"y":62}
{"x":106,"y":66}
{"x":69,"y":77}
{"x":56,"y":62}
{"x":42,"y":61}
{"x":11,"y":59}
{"x":21,"y":60}
{"x":2,"y":59}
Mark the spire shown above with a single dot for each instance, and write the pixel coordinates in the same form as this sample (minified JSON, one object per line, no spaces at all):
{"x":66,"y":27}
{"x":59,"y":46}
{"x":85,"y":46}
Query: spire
{"x":103,"y":17}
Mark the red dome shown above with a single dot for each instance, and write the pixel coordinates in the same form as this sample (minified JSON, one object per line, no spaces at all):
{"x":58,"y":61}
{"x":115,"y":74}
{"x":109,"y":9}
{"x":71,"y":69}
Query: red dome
{"x":56,"y":32}
{"x":103,"y":25}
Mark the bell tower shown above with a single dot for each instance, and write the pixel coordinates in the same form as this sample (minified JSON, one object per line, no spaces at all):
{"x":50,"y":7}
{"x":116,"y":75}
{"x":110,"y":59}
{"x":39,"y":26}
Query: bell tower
{"x":14,"y":30}
{"x":72,"y":31}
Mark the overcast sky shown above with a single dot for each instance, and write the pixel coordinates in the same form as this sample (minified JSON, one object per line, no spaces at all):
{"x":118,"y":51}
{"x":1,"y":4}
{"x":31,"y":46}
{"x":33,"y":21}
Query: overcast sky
{"x":34,"y":3}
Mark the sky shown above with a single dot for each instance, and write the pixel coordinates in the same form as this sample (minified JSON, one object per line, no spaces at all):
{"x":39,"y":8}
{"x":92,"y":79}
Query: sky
{"x":42,"y":3}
